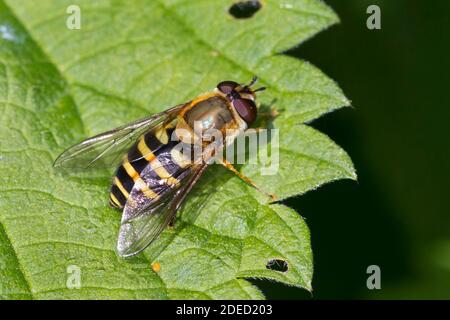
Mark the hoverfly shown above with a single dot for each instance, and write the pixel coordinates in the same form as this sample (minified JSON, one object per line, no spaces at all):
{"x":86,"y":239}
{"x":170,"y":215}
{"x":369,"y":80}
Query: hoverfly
{"x":154,"y":177}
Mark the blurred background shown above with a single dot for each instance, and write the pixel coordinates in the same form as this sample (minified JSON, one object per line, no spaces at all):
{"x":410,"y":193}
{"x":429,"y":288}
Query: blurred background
{"x":397,"y":216}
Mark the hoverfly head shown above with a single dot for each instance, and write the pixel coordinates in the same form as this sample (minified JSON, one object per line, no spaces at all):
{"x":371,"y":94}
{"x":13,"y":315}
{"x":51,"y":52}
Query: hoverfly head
{"x":242,"y":98}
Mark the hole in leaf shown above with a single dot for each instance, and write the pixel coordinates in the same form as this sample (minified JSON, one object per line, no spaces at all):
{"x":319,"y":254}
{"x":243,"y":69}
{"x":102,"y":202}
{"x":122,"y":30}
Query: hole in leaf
{"x":245,"y":9}
{"x":277,"y":265}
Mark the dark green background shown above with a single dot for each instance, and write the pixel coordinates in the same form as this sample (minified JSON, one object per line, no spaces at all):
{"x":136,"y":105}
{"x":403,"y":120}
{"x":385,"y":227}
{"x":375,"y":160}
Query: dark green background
{"x":397,"y":216}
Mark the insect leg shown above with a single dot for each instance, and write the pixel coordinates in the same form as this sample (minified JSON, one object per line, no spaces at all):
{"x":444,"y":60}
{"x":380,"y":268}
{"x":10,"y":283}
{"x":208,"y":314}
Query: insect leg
{"x":230,"y":167}
{"x":271,"y":114}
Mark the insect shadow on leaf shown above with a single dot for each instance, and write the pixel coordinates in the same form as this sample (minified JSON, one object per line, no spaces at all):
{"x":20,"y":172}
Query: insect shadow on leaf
{"x":277,"y":265}
{"x":245,"y":9}
{"x":266,"y":115}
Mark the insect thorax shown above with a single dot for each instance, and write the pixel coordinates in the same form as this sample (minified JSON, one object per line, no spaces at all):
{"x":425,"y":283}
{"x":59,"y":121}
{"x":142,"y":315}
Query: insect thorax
{"x":211,"y":113}
{"x":205,"y":120}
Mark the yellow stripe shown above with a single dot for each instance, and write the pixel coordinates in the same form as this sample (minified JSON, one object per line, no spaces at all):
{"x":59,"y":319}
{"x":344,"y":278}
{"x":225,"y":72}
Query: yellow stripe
{"x":162,"y":136}
{"x":145,"y":150}
{"x":121,"y":188}
{"x":130,"y":170}
{"x":162,"y":172}
{"x":154,"y":162}
{"x":137,"y":179}
{"x":114,"y":199}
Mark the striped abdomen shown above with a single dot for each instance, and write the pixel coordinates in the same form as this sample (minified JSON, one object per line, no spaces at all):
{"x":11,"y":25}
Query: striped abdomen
{"x":149,"y":163}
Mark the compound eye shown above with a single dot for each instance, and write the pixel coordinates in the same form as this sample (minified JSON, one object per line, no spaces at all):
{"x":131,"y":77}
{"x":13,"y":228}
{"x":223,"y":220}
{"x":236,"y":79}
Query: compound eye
{"x":246,"y":109}
{"x":227,"y":86}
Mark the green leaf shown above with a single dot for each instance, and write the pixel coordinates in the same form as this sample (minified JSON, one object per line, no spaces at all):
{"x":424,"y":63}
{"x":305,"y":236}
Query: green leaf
{"x":58,"y":86}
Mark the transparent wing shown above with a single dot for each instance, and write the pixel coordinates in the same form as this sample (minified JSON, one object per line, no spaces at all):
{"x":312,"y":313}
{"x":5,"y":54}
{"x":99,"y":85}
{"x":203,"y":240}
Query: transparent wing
{"x":151,"y":218}
{"x":108,"y":147}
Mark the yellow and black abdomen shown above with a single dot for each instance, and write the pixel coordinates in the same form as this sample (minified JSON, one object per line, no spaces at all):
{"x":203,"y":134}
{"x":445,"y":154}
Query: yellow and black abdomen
{"x":150,"y":164}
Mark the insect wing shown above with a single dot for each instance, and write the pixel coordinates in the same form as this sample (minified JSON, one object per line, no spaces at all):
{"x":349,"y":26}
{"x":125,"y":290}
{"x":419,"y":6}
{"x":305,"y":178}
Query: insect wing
{"x":151,"y":218}
{"x":111,"y":145}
